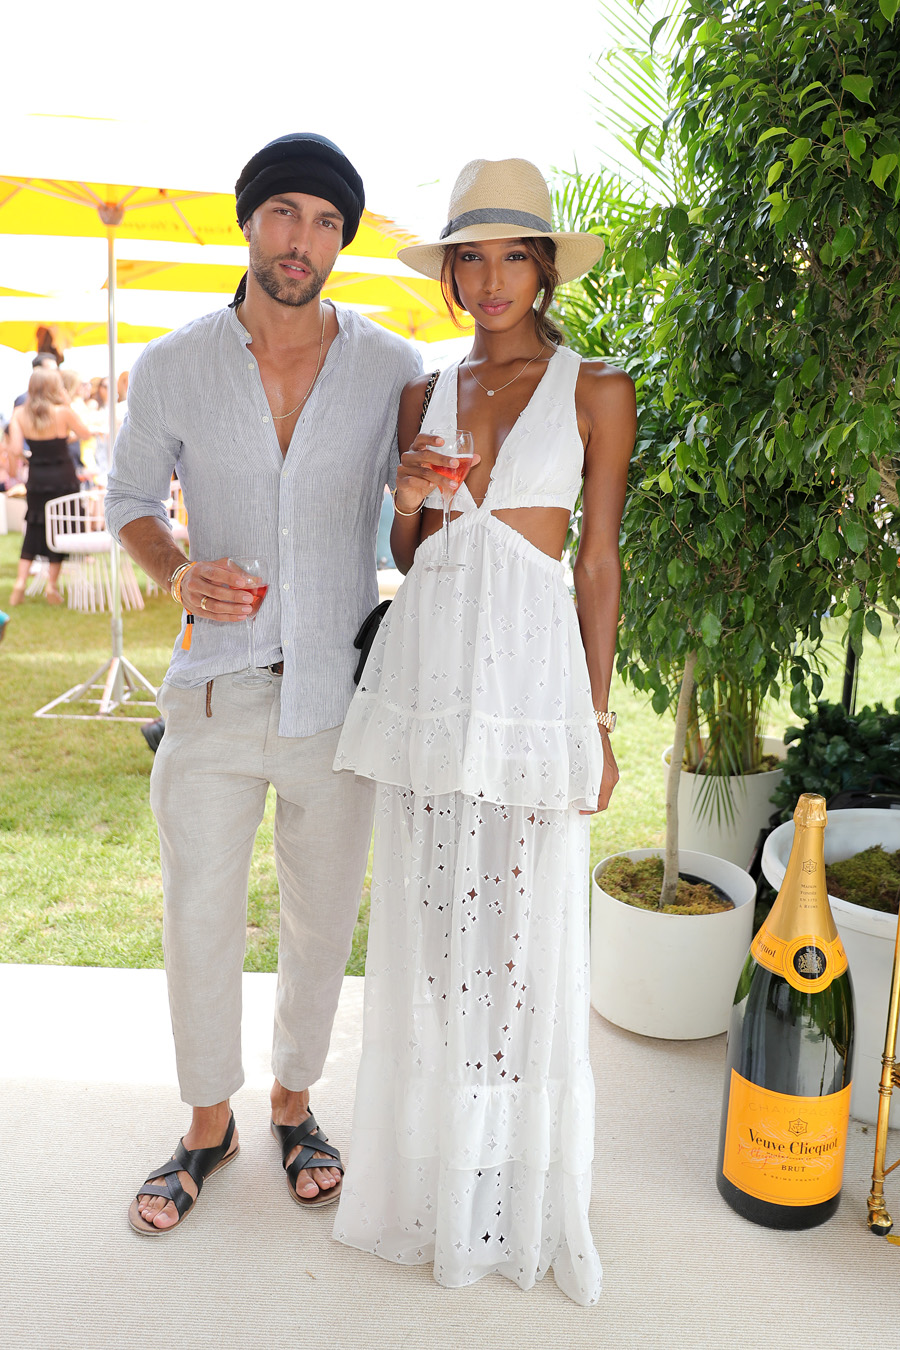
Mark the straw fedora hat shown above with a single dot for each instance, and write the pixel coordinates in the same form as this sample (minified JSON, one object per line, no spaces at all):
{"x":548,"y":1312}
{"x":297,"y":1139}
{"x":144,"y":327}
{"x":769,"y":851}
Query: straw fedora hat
{"x":504,"y":199}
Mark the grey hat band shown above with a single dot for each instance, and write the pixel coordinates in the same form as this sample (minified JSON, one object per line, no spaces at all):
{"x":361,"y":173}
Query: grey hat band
{"x":493,"y":215}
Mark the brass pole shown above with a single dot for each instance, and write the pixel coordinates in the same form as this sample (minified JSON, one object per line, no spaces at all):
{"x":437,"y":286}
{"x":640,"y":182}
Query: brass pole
{"x":879,"y":1220}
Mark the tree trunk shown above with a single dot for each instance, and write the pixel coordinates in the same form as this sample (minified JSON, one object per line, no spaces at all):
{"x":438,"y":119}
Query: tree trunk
{"x":670,"y":873}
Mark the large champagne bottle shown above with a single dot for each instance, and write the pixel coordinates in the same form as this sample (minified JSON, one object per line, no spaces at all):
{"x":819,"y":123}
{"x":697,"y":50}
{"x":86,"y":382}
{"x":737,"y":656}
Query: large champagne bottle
{"x":786,"y":1103}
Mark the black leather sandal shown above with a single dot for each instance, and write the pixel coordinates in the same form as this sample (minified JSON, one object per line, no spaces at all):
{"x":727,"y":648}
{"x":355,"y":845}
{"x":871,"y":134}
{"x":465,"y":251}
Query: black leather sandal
{"x":199,"y":1163}
{"x":310,"y":1140}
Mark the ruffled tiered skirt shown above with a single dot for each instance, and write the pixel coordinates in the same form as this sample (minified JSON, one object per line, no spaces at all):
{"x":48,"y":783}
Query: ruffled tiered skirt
{"x":473,"y":1130}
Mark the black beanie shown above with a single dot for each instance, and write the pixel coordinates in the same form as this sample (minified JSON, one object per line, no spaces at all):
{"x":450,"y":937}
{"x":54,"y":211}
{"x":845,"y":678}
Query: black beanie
{"x":302,"y":162}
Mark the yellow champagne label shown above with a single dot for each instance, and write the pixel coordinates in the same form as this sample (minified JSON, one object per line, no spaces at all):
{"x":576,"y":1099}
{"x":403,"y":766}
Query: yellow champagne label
{"x":808,"y":962}
{"x":786,"y":1150}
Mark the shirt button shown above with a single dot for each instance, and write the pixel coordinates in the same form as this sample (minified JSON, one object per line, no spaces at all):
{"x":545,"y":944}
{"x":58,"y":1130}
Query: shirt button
{"x":250,"y":365}
{"x":284,"y":531}
{"x":265,"y":419}
{"x":286,"y":586}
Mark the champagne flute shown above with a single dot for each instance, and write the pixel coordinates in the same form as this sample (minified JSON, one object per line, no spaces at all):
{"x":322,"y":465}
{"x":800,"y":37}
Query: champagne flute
{"x":256,"y":570}
{"x":457,"y":445}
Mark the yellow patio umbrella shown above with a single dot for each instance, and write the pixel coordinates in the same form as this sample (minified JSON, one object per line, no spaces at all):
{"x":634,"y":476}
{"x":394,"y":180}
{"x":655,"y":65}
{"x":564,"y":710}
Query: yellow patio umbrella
{"x":20,"y":333}
{"x":49,"y":206}
{"x":406,"y":304}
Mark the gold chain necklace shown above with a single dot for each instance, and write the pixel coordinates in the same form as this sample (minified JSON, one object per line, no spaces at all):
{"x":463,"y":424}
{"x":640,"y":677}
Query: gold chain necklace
{"x":491,"y":392}
{"x":281,"y":417}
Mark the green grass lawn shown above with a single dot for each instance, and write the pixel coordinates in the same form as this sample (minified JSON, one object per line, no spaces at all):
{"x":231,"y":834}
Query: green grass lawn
{"x":79,"y":874}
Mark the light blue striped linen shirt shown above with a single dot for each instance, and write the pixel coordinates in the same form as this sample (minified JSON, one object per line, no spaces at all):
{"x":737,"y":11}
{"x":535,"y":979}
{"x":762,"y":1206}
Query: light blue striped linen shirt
{"x":196,"y":405}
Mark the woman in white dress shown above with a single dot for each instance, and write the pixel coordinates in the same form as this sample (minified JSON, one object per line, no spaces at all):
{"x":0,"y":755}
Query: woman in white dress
{"x":482,"y":715}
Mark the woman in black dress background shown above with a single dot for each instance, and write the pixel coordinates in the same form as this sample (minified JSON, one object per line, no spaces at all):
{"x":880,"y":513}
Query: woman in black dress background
{"x":39,"y":433}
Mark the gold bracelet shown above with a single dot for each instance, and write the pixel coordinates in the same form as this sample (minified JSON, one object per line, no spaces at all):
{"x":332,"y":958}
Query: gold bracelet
{"x":405,"y":513}
{"x":176,"y":579}
{"x":606,"y":721}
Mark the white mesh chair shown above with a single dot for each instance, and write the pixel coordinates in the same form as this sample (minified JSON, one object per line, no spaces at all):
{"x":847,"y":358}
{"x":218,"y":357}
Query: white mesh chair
{"x":75,"y":526}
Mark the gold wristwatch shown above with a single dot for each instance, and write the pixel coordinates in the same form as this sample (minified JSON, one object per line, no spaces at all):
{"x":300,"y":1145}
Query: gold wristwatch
{"x":607,"y":720}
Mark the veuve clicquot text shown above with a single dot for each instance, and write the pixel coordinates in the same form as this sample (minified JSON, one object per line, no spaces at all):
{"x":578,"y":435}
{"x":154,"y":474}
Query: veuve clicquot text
{"x":786,"y":1104}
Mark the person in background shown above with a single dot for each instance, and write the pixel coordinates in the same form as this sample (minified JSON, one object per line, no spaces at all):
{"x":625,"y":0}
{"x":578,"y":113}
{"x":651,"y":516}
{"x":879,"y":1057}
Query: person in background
{"x":40,"y":430}
{"x":72,"y":383}
{"x":42,"y":359}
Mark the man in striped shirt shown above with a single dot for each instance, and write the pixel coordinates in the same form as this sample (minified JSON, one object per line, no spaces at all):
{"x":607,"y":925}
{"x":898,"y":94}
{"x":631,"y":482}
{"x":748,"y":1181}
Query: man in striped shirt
{"x":279,"y":416}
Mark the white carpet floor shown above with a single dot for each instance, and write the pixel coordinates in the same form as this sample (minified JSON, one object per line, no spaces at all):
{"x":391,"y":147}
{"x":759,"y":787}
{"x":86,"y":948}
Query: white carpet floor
{"x":88,"y":1105}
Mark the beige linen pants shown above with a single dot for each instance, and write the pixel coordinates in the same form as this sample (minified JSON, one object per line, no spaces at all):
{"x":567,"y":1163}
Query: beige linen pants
{"x":208,"y":792}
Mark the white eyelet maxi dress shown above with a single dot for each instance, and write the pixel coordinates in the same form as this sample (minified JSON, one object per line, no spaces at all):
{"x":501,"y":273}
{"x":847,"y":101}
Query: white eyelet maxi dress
{"x":474,"y":1122}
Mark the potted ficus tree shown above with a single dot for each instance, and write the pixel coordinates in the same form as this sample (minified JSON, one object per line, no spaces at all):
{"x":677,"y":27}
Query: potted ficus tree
{"x":760,"y":492}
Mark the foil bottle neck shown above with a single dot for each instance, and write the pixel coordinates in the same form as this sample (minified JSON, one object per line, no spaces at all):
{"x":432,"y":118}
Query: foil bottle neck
{"x":802,"y":906}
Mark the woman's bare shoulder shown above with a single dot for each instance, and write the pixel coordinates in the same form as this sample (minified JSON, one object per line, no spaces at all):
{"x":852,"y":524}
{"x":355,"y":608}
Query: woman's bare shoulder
{"x":599,"y":375}
{"x":416,"y":388}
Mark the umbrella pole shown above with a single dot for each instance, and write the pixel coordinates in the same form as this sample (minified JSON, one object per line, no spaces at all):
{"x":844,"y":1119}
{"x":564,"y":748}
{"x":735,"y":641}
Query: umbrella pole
{"x":113,"y":693}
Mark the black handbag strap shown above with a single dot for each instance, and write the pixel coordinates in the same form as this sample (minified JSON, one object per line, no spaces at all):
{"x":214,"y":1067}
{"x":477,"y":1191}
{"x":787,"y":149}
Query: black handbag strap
{"x":429,"y":390}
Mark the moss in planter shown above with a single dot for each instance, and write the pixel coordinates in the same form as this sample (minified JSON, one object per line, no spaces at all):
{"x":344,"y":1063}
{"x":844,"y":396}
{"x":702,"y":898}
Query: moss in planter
{"x":765,"y":765}
{"x":639,"y":884}
{"x":870,"y":878}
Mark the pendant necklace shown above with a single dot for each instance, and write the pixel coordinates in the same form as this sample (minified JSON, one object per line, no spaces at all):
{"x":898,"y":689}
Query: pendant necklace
{"x":281,"y":417}
{"x":491,"y":392}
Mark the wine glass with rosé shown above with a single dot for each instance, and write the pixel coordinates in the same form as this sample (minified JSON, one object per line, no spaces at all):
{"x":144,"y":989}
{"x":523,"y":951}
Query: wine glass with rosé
{"x":256,"y":570}
{"x":457,"y":445}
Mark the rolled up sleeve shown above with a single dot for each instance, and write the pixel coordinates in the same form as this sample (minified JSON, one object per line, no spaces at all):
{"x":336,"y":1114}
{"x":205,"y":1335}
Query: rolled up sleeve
{"x":146,"y":454}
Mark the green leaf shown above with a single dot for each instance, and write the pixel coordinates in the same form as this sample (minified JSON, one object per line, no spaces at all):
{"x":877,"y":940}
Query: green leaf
{"x":882,"y":168}
{"x":860,"y":86}
{"x":710,"y":628}
{"x":810,"y":368}
{"x":634,"y":264}
{"x":856,"y":141}
{"x":799,"y":701}
{"x":828,"y":545}
{"x":777,"y":169}
{"x":773,"y":131}
{"x":799,"y":150}
{"x":784,"y":393}
{"x":873,"y":620}
{"x":889,"y":9}
{"x":844,"y":241}
{"x":777,"y":205}
{"x":660,"y":701}
{"x":659,"y":26}
{"x":665,"y":481}
{"x":854,"y":596}
{"x":873,"y":477}
{"x":678,"y":220}
{"x":854,"y":534}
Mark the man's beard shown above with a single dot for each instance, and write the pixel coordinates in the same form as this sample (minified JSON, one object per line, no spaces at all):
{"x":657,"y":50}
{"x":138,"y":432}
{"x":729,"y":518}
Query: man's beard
{"x":281,"y":288}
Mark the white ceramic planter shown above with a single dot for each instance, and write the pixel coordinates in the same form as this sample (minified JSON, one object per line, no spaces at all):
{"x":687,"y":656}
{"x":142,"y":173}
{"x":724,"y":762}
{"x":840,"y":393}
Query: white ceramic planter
{"x":751,"y":798}
{"x":868,"y":937}
{"x":670,"y":975}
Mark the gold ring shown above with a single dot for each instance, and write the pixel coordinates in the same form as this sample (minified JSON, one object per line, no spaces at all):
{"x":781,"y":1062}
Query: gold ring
{"x":203,"y":602}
